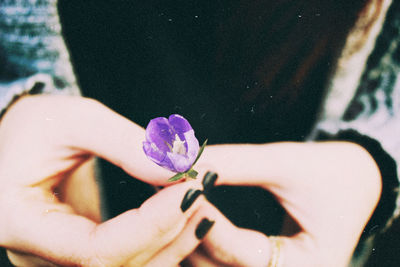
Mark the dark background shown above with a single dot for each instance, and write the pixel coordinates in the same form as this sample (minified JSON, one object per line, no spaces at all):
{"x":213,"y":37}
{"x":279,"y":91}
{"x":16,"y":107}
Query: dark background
{"x":157,"y":58}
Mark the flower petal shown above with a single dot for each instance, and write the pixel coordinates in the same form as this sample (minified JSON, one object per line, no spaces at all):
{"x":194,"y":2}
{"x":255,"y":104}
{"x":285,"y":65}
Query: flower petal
{"x":162,"y":139}
{"x":159,"y":132}
{"x":167,"y":164}
{"x":179,"y":123}
{"x":180,"y":126}
{"x":181,"y":162}
{"x":153,"y":152}
{"x":192,"y":146}
{"x":157,"y":156}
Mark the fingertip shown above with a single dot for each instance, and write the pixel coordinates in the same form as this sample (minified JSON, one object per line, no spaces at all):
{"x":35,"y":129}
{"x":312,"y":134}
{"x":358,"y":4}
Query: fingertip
{"x":203,"y":228}
{"x":209,"y":181}
{"x":190,"y":197}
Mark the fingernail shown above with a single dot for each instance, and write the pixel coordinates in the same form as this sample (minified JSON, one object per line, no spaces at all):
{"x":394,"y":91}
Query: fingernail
{"x":189,"y":198}
{"x":209,"y":180}
{"x":203,"y":228}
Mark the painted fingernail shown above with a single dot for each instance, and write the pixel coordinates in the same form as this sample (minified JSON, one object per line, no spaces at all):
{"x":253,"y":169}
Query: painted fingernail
{"x":209,"y":180}
{"x":189,"y":198}
{"x":203,"y":228}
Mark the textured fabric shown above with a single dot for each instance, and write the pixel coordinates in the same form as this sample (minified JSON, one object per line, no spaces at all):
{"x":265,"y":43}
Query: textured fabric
{"x":31,"y":44}
{"x":374,"y":110}
{"x":372,"y":119}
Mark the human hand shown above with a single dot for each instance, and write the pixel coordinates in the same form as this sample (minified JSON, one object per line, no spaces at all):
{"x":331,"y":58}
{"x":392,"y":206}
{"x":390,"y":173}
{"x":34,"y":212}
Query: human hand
{"x":328,"y":189}
{"x":46,"y":141}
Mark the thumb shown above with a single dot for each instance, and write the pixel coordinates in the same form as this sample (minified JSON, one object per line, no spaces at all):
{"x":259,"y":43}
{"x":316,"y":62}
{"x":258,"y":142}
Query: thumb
{"x":52,"y":232}
{"x":150,"y":228}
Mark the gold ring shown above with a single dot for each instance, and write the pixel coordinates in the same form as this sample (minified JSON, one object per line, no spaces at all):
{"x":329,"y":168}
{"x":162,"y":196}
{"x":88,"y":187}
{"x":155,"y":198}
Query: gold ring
{"x":276,"y":245}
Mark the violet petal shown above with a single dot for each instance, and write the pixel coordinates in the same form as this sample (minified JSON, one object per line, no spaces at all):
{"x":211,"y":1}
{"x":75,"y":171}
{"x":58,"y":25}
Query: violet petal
{"x":153,"y":153}
{"x":159,"y":132}
{"x":163,"y":146}
{"x":157,"y":156}
{"x":181,"y":162}
{"x":192,"y":146}
{"x":179,"y":123}
{"x":180,"y":126}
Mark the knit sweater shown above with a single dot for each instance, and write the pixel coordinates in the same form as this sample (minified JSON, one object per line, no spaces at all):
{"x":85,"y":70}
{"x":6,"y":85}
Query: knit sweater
{"x":33,"y":54}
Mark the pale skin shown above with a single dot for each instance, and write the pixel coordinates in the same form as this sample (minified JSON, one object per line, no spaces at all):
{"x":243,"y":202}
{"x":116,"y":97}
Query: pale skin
{"x":330,"y":189}
{"x":46,"y":146}
{"x":46,"y":143}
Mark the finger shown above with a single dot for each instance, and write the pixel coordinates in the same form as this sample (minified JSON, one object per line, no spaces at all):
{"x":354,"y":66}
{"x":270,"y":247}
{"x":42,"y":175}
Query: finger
{"x":199,"y":259}
{"x":304,"y":178}
{"x":23,"y":259}
{"x":53,"y":233}
{"x":280,"y":165}
{"x":81,"y":192}
{"x":232,"y":246}
{"x":187,"y":241}
{"x":299,"y":173}
{"x":117,"y":139}
{"x":160,"y":219}
{"x":87,"y":126}
{"x":228,"y":245}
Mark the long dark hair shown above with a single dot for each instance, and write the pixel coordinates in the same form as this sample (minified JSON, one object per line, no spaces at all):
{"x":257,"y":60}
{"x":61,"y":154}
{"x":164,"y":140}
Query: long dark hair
{"x":239,"y":65}
{"x":287,"y":48}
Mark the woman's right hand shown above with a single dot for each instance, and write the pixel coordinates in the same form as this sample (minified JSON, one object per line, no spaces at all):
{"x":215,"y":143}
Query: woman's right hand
{"x":46,"y":220}
{"x":329,"y":190}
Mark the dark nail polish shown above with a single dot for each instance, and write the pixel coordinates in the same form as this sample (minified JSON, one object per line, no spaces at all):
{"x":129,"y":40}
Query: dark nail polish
{"x":203,"y":228}
{"x":189,"y":198}
{"x":209,"y":180}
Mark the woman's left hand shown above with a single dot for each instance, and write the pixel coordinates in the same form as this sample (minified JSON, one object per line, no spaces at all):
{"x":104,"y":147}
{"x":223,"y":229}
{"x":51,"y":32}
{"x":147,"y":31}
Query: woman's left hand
{"x":329,"y":189}
{"x":49,"y":200}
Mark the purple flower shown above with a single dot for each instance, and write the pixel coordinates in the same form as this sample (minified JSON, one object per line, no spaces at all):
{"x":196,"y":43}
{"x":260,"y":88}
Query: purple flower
{"x":171,"y":143}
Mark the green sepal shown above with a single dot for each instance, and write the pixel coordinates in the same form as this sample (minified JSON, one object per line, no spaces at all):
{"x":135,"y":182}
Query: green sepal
{"x":200,"y":151}
{"x":177,"y":176}
{"x":192,"y":173}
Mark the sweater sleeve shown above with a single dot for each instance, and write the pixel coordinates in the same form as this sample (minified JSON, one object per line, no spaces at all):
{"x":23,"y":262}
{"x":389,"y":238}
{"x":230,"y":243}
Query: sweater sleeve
{"x":373,"y":114}
{"x":33,"y":55}
{"x":372,"y":117}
